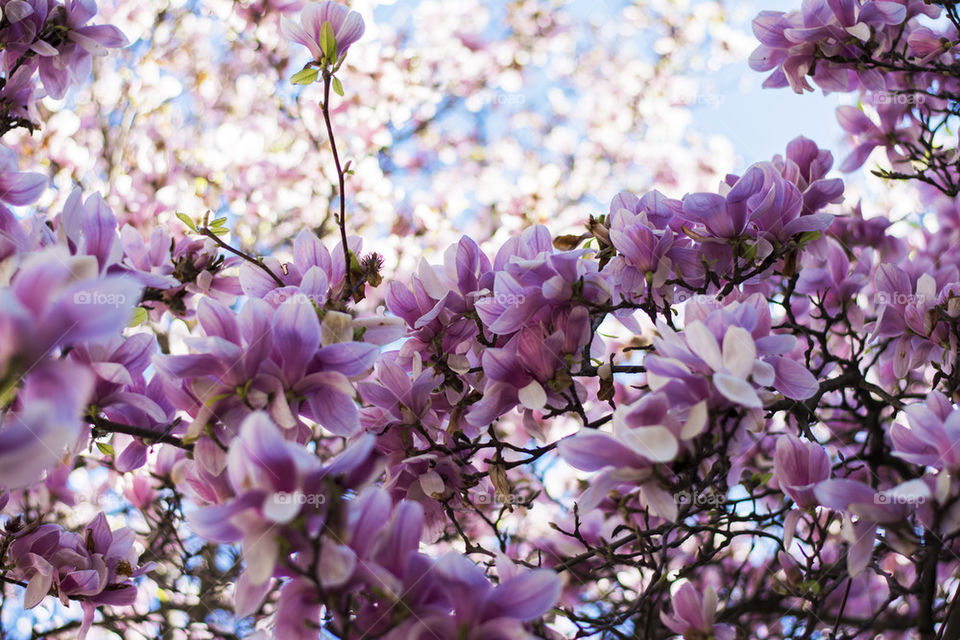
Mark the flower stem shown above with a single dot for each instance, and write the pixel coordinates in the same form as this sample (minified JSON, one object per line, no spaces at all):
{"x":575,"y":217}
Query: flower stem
{"x":342,"y":217}
{"x":254,"y":261}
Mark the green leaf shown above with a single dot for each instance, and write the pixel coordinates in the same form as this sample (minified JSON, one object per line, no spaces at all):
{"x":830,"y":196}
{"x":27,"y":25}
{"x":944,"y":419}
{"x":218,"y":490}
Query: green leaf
{"x":328,"y":42}
{"x":105,"y":448}
{"x":810,"y":586}
{"x":218,"y":222}
{"x":337,"y":87}
{"x":219,"y":231}
{"x":762,"y":478}
{"x":140,"y":316}
{"x":304,"y":76}
{"x":215,"y":399}
{"x":187,"y":221}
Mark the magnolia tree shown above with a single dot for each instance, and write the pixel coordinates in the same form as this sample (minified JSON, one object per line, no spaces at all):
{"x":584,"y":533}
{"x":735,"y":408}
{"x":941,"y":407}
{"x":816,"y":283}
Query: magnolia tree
{"x":199,"y":113}
{"x":725,"y":415}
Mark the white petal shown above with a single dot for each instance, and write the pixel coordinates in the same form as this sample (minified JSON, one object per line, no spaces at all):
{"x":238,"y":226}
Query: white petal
{"x":662,"y":503}
{"x":790,"y":527}
{"x":709,"y":603}
{"x":654,"y":443}
{"x":260,"y":552}
{"x":37,"y":589}
{"x":943,"y":486}
{"x":913,"y":491}
{"x":736,"y":390}
{"x":656,"y":382}
{"x":696,"y":421}
{"x":763,"y":373}
{"x":282,"y":507}
{"x":703,"y":344}
{"x":247,"y":597}
{"x":458,"y":363}
{"x":337,"y":563}
{"x":432,"y":484}
{"x":739,"y":352}
{"x":533,"y":396}
{"x":431,"y":281}
{"x":860,"y":30}
{"x":926,"y":290}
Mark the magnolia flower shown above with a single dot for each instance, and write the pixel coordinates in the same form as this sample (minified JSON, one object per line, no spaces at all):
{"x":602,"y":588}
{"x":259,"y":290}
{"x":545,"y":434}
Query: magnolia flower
{"x":869,"y":135}
{"x":928,"y":44}
{"x":647,"y":432}
{"x":793,"y":44}
{"x":404,"y":399}
{"x":270,"y":481}
{"x":872,"y":508}
{"x":520,"y":372}
{"x":693,"y":614}
{"x":725,"y":216}
{"x":463,"y":604}
{"x":347,"y":27}
{"x":731,"y":346}
{"x":44,"y":423}
{"x":806,"y":166}
{"x":643,"y":251}
{"x":732,"y":362}
{"x":766,"y":202}
{"x":57,"y":300}
{"x":833,"y":278}
{"x":90,"y":226}
{"x":96,"y":567}
{"x":122,"y":394}
{"x":532,"y":282}
{"x":798,"y":465}
{"x":71,"y":60}
{"x":270,"y":359}
{"x":18,"y":187}
{"x":933,"y":436}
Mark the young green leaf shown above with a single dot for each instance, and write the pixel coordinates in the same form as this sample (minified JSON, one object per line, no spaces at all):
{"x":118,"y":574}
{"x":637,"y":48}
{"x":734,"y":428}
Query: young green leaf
{"x":140,"y":316}
{"x":187,"y":221}
{"x":304,"y":76}
{"x":328,"y":43}
{"x":337,"y":87}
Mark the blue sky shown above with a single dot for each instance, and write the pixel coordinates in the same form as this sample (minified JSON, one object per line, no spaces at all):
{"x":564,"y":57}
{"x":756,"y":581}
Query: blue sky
{"x":759,"y":122}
